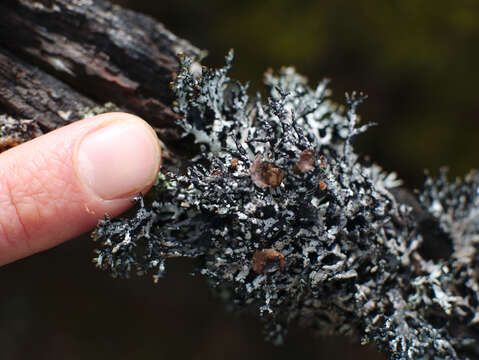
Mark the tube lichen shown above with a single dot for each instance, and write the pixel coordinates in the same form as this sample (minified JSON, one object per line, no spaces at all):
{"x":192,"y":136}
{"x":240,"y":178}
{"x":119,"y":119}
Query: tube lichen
{"x":285,"y":217}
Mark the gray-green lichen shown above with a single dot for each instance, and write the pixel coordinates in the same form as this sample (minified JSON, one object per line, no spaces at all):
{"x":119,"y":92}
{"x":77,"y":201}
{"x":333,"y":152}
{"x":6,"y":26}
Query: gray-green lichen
{"x":96,"y":110}
{"x":282,"y":178}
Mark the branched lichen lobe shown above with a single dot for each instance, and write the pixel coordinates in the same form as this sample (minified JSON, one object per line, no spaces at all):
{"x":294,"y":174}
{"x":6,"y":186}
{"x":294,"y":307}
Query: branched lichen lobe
{"x":282,"y":213}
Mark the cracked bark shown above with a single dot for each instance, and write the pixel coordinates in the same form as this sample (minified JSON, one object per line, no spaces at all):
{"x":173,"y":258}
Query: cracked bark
{"x":58,"y":57}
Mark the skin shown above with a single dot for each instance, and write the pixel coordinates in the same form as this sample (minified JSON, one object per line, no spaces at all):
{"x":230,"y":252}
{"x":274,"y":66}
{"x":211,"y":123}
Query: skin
{"x":57,"y":186}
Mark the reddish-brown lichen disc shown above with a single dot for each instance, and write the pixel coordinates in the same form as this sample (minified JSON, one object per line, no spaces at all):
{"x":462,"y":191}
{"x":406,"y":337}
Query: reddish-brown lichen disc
{"x":263,"y":258}
{"x":234,"y":163}
{"x":322,"y":162}
{"x":306,"y":161}
{"x":264,"y":173}
{"x":216,"y":173}
{"x":322,"y":185}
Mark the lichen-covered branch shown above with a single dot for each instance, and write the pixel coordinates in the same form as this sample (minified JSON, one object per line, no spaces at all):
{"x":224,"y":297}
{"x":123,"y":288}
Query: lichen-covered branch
{"x":58,"y":57}
{"x":286,"y":218}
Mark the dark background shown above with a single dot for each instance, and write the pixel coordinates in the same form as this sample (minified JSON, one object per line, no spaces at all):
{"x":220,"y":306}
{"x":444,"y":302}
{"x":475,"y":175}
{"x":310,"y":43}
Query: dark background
{"x":418,"y":63}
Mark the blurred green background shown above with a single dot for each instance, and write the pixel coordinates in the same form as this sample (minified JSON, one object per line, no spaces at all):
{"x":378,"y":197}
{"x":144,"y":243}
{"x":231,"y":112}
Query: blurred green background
{"x":416,"y":60}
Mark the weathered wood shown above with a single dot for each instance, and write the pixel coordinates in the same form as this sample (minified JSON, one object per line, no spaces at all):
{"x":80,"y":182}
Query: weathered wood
{"x":59,"y":56}
{"x":27,"y":92}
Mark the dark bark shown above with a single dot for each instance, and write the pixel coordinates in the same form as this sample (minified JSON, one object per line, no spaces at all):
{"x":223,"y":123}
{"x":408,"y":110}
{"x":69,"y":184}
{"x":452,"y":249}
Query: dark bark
{"x":58,"y":57}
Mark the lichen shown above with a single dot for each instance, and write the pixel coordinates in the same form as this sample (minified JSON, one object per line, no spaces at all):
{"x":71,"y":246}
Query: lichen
{"x":13,"y":132}
{"x":285,"y":218}
{"x":88,"y":112}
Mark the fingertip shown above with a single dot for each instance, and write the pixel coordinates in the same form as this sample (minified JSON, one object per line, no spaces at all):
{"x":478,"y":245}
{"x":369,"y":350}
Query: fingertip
{"x":119,"y":158}
{"x":60,"y":184}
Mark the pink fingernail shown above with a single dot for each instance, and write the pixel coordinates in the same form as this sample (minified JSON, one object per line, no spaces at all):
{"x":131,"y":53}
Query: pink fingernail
{"x":119,"y":160}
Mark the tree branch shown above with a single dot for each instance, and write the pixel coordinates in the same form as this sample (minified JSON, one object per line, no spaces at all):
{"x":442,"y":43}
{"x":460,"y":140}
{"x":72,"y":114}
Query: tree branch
{"x":294,"y":224}
{"x":58,"y":57}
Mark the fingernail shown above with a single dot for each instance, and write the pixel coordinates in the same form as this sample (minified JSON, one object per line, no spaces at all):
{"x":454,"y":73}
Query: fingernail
{"x":119,"y":160}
